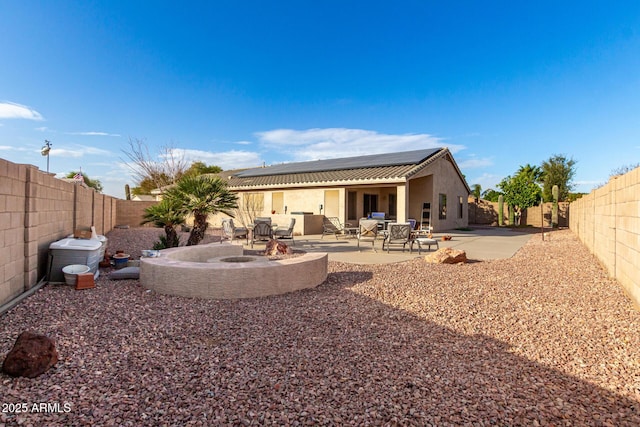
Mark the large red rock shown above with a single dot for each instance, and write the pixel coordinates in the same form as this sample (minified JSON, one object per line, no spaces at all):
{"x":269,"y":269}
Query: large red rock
{"x":31,"y":355}
{"x":446,"y":256}
{"x":276,"y":247}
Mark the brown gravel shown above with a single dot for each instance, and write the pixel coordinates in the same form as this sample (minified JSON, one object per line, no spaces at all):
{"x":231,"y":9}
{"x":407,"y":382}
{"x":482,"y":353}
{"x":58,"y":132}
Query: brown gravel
{"x":543,"y":338}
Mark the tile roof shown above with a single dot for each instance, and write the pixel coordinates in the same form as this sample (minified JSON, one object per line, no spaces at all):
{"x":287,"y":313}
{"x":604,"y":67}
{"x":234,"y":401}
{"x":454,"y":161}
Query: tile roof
{"x":391,"y":167}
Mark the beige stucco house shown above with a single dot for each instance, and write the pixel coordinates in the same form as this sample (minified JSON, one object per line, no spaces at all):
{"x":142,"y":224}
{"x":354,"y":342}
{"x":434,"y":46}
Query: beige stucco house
{"x":421,"y":184}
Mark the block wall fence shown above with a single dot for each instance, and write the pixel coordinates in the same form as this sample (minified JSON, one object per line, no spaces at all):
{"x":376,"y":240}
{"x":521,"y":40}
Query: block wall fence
{"x":37,"y":209}
{"x":607,"y":221}
{"x":486,"y":212}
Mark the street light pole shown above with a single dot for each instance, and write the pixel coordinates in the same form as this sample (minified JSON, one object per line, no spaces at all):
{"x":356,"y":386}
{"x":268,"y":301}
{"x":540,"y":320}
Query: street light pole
{"x":45,"y":151}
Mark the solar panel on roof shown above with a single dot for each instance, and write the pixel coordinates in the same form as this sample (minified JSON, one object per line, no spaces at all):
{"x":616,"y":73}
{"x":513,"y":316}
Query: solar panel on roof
{"x":375,"y":160}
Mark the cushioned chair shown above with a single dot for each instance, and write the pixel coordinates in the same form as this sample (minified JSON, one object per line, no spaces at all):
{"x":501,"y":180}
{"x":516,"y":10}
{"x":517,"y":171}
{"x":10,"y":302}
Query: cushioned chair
{"x":266,"y":219}
{"x":230,"y":231}
{"x":397,"y":234}
{"x":285,"y":232}
{"x":262,"y":231}
{"x":368,"y":232}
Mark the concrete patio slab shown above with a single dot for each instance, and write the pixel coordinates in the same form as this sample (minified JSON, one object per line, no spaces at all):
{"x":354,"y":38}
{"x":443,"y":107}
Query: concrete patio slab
{"x":479,"y":244}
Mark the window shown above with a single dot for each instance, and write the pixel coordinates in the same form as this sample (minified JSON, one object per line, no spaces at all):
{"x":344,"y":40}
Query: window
{"x":442,"y":208}
{"x":370,"y":204}
{"x":352,"y":212}
{"x":393,"y":202}
{"x":277,"y":202}
{"x":253,"y":202}
{"x":460,"y":207}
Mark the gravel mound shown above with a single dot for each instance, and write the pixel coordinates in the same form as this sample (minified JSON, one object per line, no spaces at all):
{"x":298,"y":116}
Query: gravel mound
{"x":543,"y":338}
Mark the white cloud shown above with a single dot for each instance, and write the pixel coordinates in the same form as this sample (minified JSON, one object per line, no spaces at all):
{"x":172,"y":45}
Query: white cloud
{"x":9,"y":110}
{"x":486,"y":181}
{"x":42,"y":129}
{"x":93,"y":134}
{"x":244,"y":142}
{"x":474,"y":163}
{"x":232,"y":159}
{"x":314,"y":144}
{"x":78,"y":151}
{"x":10,"y":148}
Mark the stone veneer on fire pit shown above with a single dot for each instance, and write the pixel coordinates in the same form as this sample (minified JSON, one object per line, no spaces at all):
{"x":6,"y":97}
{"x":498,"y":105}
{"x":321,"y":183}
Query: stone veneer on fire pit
{"x":202,"y":272}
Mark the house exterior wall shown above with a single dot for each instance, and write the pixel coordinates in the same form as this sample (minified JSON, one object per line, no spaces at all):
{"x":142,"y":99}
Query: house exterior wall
{"x":440,"y":177}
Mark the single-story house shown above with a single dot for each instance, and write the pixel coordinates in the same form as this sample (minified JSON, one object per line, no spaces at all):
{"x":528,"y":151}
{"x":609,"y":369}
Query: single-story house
{"x":425,"y":185}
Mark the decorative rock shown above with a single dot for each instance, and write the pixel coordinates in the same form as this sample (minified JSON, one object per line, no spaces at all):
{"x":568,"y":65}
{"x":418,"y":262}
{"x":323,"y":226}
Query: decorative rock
{"x":447,"y":256}
{"x":30,"y":356}
{"x":275,"y":247}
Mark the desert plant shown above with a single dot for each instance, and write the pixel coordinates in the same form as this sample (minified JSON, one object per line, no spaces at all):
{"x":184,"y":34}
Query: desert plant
{"x":554,"y":211}
{"x":164,"y":244}
{"x":127,"y":192}
{"x":168,"y":214}
{"x":500,"y":210}
{"x":202,"y":196}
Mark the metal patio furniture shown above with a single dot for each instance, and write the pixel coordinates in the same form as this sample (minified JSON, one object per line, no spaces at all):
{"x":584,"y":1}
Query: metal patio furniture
{"x":397,"y":234}
{"x":262,"y":231}
{"x":285,"y":232}
{"x":368,"y":232}
{"x":231,"y":232}
{"x":332,"y":225}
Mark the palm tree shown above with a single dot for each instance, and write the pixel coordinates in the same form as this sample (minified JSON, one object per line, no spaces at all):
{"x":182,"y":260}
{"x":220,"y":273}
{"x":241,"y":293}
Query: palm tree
{"x":476,"y":189}
{"x":167,"y":214}
{"x":533,"y":174}
{"x":202,"y":196}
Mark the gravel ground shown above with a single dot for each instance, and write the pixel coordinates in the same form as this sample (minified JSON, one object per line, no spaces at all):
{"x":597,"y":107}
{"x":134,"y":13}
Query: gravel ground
{"x":543,"y":338}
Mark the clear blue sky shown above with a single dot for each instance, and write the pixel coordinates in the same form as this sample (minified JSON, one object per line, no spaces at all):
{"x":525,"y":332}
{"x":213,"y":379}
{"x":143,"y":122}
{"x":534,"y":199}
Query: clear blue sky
{"x":236,"y":84}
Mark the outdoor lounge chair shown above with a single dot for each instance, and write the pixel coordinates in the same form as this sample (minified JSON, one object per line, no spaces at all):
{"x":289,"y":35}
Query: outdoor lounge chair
{"x":285,"y":232}
{"x":230,"y":231}
{"x":397,"y":234}
{"x":261,"y":232}
{"x":368,"y":232}
{"x":332,"y":225}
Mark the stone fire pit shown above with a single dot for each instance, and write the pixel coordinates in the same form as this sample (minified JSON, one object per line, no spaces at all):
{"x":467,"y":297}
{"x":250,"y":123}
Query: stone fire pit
{"x":222,"y":271}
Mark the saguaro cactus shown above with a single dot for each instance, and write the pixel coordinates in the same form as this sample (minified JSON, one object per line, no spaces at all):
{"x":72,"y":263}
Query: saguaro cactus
{"x":500,"y":210}
{"x":127,"y":192}
{"x":554,"y":210}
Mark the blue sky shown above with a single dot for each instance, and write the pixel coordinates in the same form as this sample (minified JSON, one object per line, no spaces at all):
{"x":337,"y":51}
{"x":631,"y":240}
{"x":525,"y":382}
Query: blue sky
{"x":236,"y":84}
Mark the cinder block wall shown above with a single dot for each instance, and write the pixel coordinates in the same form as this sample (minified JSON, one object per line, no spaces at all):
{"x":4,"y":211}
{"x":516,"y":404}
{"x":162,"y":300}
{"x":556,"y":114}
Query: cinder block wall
{"x":130,"y":212}
{"x":607,"y":221}
{"x":486,"y":212}
{"x":36,"y":209}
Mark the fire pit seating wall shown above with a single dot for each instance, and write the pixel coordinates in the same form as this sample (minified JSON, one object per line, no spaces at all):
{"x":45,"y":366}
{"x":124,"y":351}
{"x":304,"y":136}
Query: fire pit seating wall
{"x":222,"y":271}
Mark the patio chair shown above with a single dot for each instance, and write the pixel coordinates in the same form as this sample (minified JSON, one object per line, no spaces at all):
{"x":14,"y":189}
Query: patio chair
{"x":332,"y":225}
{"x":397,"y":234}
{"x":261,"y":232}
{"x":368,"y":232}
{"x":230,"y":231}
{"x":285,"y":232}
{"x":266,"y":219}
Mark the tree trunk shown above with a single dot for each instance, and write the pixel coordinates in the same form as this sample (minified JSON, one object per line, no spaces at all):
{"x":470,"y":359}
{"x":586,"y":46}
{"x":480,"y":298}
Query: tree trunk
{"x":172,"y":236}
{"x":200,"y":225}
